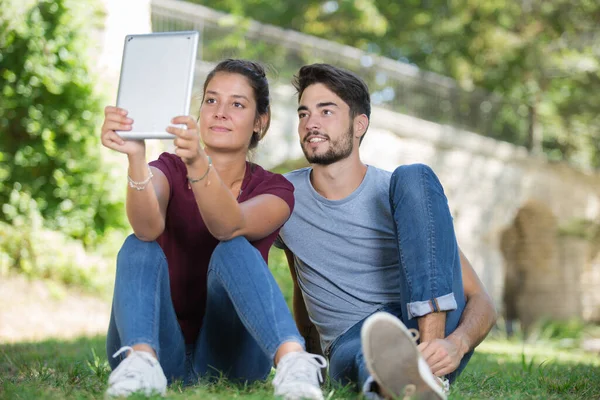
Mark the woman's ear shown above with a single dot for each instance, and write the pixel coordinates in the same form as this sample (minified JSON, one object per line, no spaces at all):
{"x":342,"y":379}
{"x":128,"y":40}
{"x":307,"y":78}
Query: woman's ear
{"x":260,"y":123}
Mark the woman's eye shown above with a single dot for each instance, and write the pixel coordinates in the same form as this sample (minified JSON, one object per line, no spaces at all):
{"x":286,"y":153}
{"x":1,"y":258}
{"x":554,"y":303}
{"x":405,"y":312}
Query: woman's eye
{"x":238,"y":105}
{"x":210,"y":101}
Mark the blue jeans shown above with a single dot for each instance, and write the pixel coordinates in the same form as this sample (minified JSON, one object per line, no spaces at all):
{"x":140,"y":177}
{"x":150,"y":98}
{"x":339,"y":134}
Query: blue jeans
{"x":245,"y":321}
{"x":430,"y":270}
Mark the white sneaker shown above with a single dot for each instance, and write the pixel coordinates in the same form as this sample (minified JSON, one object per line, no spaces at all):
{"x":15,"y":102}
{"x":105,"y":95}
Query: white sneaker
{"x":394,"y":361}
{"x":298,"y":376}
{"x":140,"y":372}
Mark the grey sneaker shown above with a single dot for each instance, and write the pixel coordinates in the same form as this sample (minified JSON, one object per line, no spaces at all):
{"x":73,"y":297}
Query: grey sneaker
{"x":140,"y":372}
{"x":298,"y":376}
{"x":394,"y":361}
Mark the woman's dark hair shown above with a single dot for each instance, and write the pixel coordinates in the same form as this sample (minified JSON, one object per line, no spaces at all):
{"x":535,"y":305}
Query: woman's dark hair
{"x":255,"y":74}
{"x":347,"y":85}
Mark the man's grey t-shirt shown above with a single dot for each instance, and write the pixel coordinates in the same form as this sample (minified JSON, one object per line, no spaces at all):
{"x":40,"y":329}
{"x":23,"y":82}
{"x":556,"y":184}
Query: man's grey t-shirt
{"x":345,"y":251}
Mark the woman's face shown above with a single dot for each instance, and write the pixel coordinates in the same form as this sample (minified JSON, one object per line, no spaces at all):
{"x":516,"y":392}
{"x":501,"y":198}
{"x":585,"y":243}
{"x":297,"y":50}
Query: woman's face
{"x":228,"y":112}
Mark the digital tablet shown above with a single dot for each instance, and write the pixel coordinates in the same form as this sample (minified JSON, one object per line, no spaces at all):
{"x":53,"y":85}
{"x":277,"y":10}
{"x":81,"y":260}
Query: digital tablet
{"x":157,"y":75}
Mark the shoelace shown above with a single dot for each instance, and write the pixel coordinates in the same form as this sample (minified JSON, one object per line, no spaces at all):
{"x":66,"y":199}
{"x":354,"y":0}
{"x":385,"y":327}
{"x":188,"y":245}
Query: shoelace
{"x":127,"y":372}
{"x":298,"y":368}
{"x":122,"y":350}
{"x":415,"y":334}
{"x":443,"y":381}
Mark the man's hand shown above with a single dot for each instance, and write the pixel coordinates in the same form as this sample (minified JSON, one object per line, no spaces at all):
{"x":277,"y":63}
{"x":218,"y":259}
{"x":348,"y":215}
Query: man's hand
{"x":442,"y":355}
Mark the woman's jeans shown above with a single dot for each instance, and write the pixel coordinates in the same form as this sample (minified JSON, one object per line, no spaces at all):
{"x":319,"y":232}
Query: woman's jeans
{"x":430,"y":270}
{"x":245,"y":322}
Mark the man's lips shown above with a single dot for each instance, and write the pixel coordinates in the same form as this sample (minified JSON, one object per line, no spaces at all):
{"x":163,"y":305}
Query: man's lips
{"x":315,"y":138}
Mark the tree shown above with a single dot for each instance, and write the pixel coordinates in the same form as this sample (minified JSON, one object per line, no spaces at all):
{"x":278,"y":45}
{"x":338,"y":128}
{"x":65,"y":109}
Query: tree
{"x":49,"y":118}
{"x":541,"y":56}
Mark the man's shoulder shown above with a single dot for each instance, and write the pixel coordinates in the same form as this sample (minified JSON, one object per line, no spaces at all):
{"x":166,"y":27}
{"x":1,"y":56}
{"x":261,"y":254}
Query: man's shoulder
{"x":379,"y":173}
{"x":298,"y":176}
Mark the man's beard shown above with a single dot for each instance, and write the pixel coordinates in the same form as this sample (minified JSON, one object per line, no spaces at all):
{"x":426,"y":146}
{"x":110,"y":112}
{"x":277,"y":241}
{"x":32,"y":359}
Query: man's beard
{"x":338,"y":150}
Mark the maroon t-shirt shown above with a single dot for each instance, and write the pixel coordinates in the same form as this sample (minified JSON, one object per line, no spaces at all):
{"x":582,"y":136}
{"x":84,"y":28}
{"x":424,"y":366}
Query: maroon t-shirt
{"x":187,"y":243}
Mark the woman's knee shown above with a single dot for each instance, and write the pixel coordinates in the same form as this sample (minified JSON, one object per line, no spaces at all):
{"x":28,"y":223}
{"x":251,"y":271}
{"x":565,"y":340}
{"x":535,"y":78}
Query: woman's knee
{"x":227,"y":249}
{"x":236,"y":244}
{"x":138,"y":253}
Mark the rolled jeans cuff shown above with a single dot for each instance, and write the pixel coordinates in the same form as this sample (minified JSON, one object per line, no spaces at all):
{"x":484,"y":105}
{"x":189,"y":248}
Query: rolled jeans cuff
{"x":443,"y":303}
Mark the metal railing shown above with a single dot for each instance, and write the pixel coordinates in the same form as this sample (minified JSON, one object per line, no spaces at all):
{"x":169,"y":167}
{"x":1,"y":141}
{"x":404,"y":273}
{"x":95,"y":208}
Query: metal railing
{"x":395,"y":85}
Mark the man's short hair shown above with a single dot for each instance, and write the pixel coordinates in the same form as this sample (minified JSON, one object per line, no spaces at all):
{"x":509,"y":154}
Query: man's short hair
{"x":347,"y":85}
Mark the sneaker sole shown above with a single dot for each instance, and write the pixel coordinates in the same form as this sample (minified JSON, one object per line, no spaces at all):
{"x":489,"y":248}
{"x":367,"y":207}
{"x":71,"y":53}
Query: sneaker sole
{"x":392,"y":358}
{"x":301,"y":394}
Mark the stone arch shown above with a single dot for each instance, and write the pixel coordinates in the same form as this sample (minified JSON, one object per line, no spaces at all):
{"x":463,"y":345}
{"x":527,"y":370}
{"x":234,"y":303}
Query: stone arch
{"x":529,"y":249}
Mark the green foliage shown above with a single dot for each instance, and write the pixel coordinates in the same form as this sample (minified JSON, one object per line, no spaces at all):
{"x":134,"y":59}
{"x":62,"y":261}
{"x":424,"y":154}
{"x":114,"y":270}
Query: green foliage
{"x":581,"y":228}
{"x":559,"y":330}
{"x":28,"y":248}
{"x":99,"y":366}
{"x":540,"y":57}
{"x":49,"y":119}
{"x":290,"y":165}
{"x":281,"y":272}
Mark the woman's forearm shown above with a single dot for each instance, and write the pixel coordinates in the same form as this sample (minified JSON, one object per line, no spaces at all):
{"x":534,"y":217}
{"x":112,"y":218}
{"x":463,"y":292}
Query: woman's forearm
{"x":142,"y":204}
{"x":219,"y":208}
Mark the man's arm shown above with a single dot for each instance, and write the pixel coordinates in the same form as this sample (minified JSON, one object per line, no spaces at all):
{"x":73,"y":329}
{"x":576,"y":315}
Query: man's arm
{"x":306,"y":328}
{"x":478,"y":318}
{"x":479,"y":315}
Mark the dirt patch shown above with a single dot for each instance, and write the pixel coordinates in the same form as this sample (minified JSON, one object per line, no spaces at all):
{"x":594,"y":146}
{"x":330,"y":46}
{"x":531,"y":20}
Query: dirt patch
{"x":37,"y":310}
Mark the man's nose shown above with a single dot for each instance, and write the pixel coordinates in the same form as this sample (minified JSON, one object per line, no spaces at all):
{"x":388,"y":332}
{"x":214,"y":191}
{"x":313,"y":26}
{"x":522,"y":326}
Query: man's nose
{"x":312,"y":123}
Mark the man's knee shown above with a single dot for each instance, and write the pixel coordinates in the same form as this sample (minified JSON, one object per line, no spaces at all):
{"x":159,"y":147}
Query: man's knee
{"x":414,"y":182}
{"x":412,"y":176}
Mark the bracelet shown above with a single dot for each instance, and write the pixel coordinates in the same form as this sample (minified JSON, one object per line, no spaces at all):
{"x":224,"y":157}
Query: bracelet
{"x":140,"y":185}
{"x":192,"y":180}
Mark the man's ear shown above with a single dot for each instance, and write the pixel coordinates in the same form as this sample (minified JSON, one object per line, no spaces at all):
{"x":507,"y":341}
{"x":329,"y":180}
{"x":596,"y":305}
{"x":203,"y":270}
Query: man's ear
{"x":361,"y":123}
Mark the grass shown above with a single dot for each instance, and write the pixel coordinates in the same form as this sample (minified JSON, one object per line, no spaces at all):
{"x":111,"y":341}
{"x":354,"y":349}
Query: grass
{"x":500,"y":369}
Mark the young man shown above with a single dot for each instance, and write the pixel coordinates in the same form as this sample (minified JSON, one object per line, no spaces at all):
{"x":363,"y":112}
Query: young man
{"x":374,"y":252}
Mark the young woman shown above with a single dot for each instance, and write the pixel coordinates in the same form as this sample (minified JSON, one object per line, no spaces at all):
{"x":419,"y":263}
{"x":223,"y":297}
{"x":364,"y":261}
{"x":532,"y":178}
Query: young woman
{"x":193,"y":295}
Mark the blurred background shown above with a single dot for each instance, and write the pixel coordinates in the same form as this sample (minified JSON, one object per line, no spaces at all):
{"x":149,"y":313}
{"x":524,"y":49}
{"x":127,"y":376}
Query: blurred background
{"x":501,"y":98}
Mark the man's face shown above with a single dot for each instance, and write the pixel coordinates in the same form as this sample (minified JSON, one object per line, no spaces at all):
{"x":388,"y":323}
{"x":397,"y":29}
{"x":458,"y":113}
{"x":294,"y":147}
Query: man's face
{"x":325,"y":128}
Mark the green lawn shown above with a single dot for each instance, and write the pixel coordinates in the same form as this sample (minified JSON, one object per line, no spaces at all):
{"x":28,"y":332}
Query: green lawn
{"x":500,"y":369}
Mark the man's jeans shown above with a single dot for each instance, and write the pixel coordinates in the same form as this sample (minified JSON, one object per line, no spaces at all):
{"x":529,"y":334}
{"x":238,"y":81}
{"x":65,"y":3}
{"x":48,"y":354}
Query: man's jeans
{"x":245,"y":322}
{"x":430,"y":275}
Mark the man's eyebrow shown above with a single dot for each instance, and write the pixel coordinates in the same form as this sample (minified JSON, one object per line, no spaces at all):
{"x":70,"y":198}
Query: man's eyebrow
{"x":319,"y":105}
{"x":326,"y":104}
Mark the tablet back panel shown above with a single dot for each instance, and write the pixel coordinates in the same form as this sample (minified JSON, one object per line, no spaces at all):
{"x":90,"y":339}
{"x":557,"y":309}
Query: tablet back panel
{"x":157,"y":75}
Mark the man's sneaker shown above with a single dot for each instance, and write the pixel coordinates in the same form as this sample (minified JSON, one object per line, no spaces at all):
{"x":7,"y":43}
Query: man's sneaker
{"x":298,"y":376}
{"x":139,"y":372}
{"x":394,"y":361}
{"x":444,"y":383}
